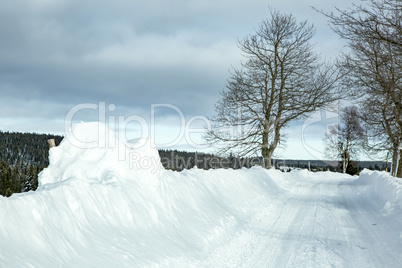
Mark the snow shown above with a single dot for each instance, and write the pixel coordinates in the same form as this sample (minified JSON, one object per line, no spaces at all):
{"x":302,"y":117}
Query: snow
{"x":106,"y":202}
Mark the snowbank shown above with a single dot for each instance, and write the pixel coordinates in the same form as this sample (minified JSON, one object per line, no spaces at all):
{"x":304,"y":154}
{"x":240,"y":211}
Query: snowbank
{"x":103,"y":202}
{"x":383,"y":188}
{"x":99,"y":206}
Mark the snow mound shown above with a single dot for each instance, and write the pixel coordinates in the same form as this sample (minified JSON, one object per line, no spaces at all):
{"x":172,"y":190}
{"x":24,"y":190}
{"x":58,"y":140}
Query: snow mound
{"x":92,"y":152}
{"x":385,"y":189}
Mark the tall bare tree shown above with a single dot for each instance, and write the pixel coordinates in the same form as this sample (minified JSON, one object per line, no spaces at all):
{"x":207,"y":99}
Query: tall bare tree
{"x":281,"y":80}
{"x":382,"y":130}
{"x":374,"y":70}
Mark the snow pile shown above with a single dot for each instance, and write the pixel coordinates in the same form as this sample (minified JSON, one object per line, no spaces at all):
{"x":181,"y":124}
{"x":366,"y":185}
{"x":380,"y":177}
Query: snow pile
{"x":92,"y":209}
{"x":383,"y":188}
{"x":92,"y":152}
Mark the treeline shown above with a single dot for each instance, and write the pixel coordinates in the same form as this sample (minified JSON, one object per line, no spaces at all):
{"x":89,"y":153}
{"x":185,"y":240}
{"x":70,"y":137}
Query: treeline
{"x":180,"y":160}
{"x":22,"y":157}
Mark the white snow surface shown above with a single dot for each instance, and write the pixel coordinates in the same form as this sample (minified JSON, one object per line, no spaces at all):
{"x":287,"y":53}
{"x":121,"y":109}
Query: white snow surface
{"x":113,"y":205}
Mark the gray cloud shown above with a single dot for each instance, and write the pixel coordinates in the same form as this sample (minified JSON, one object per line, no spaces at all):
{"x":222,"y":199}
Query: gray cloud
{"x":139,"y":52}
{"x":57,"y":54}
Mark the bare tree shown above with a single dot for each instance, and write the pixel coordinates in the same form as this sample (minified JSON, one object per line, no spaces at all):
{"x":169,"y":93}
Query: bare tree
{"x":282,"y":80}
{"x":344,"y":140}
{"x":381,"y":129}
{"x":373,"y":69}
{"x":379,"y":20}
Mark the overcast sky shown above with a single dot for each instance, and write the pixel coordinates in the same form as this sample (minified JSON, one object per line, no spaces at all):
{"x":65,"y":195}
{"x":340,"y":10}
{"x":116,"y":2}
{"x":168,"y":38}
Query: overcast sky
{"x":130,"y":54}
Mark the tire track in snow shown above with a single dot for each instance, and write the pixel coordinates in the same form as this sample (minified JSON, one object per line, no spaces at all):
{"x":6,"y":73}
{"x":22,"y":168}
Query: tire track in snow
{"x":318,"y":224}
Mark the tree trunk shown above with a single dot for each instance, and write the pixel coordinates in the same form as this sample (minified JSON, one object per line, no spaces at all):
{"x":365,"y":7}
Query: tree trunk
{"x":398,"y":171}
{"x":394,"y":161}
{"x":267,"y":155}
{"x":267,"y":151}
{"x":345,"y":161}
{"x":264,"y":149}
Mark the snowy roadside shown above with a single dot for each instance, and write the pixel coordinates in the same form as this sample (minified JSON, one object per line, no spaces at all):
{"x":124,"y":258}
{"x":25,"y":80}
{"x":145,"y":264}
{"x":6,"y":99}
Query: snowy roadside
{"x":385,"y":189}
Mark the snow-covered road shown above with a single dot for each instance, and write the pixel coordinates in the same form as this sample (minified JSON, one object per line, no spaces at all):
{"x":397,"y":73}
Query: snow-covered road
{"x":320,"y":222}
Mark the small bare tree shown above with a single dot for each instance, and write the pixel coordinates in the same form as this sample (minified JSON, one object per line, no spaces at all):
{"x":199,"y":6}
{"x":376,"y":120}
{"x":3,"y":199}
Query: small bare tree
{"x":282,"y":80}
{"x":344,"y":140}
